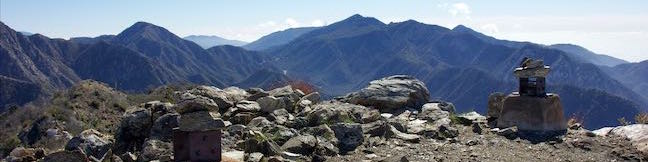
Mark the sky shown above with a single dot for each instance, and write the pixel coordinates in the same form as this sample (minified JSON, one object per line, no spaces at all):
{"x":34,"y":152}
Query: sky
{"x":617,"y":28}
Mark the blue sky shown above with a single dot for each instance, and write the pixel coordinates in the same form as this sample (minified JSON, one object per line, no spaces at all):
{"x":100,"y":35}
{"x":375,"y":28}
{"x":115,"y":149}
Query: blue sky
{"x":617,"y":28}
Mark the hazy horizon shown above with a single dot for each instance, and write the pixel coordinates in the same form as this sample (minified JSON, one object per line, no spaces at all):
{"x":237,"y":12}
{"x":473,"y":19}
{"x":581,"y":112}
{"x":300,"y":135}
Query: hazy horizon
{"x":613,"y":28}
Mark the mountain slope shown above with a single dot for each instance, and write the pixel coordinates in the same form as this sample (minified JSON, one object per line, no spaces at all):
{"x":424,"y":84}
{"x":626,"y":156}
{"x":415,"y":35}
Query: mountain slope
{"x":277,"y":38}
{"x":633,"y":75}
{"x":206,"y":41}
{"x":456,"y":66}
{"x":589,"y":56}
{"x":36,"y":62}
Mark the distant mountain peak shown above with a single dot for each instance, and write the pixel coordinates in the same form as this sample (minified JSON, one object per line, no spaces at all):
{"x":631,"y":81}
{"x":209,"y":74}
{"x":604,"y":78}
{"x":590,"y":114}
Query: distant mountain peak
{"x":207,"y":41}
{"x":358,"y":19}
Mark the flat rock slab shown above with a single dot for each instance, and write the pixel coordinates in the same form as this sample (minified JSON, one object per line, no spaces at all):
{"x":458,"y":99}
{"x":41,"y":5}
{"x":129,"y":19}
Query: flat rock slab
{"x":532,"y":113}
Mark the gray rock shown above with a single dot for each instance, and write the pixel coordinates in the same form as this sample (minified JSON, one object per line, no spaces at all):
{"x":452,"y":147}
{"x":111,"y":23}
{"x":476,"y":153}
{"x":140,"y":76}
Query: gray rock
{"x":192,"y":103}
{"x":394,"y":133}
{"x":282,"y":91}
{"x":156,"y":150}
{"x":510,"y":132}
{"x":259,"y":122}
{"x":256,"y":93}
{"x":242,"y":117}
{"x":162,"y":128}
{"x":391,"y":93}
{"x":158,"y":108}
{"x":200,"y":121}
{"x":433,"y":112}
{"x":281,"y":116}
{"x":258,"y":142}
{"x":337,"y":112}
{"x":223,"y":98}
{"x":304,"y":144}
{"x":254,"y":157}
{"x":91,"y":143}
{"x":313,"y":97}
{"x":134,"y":128}
{"x":237,"y":129}
{"x":248,"y":106}
{"x":279,"y":133}
{"x":271,"y":103}
{"x":323,"y":131}
{"x":325,"y":146}
{"x":471,"y":117}
{"x":349,"y":136}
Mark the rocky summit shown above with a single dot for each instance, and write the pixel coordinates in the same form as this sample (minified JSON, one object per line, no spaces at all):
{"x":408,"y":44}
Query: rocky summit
{"x":392,"y":119}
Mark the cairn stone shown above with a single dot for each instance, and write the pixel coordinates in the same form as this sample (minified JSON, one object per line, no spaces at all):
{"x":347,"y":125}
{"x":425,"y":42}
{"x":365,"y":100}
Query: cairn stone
{"x":532,"y":113}
{"x":200,"y":121}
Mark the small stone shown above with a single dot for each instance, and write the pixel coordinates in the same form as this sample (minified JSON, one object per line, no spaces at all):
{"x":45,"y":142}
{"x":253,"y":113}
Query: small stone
{"x":236,"y":155}
{"x":254,"y":157}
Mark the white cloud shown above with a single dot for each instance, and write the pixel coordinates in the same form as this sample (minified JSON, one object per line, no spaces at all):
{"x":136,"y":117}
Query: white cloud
{"x":317,"y":22}
{"x":490,"y":29}
{"x":292,"y":23}
{"x":459,"y":9}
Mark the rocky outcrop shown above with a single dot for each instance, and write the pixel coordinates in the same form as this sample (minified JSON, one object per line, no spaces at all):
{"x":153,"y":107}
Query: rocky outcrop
{"x":391,"y":93}
{"x":91,"y":143}
{"x":636,"y":133}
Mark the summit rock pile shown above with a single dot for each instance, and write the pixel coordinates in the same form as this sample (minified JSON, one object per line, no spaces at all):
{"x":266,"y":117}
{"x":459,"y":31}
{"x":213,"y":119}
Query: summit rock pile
{"x":390,"y":120}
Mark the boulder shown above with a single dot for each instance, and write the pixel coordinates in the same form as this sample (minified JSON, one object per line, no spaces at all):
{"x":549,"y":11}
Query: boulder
{"x":134,"y":128}
{"x":281,"y":116}
{"x":323,"y":131}
{"x":304,"y":144}
{"x":471,"y":117}
{"x":162,"y":128}
{"x":282,"y":91}
{"x":392,"y":132}
{"x":325,"y":147}
{"x":279,"y":133}
{"x":158,"y":108}
{"x":337,"y":112}
{"x":391,"y":93}
{"x":271,"y":103}
{"x":66,"y":156}
{"x":223,"y":98}
{"x":636,"y":133}
{"x":349,"y":136}
{"x":156,"y":150}
{"x":532,"y":113}
{"x":258,"y":142}
{"x":313,"y":97}
{"x":259,"y":122}
{"x":200,"y":121}
{"x":495,"y":104}
{"x":192,"y":103}
{"x":91,"y":143}
{"x":256,"y":93}
{"x":433,"y":112}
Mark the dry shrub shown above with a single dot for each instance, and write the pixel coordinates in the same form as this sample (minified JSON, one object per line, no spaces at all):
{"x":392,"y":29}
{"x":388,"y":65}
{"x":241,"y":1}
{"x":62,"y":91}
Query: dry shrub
{"x":641,"y":118}
{"x":575,"y":121}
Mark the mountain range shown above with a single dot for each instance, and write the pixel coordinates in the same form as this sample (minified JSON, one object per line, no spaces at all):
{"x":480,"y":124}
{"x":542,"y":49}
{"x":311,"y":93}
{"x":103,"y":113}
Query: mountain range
{"x":207,"y":41}
{"x":141,"y":57}
{"x":278,"y":38}
{"x":458,"y":65}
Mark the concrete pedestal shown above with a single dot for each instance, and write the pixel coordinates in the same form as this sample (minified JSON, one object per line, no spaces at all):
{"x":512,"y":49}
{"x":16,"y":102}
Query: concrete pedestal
{"x":532,"y":113}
